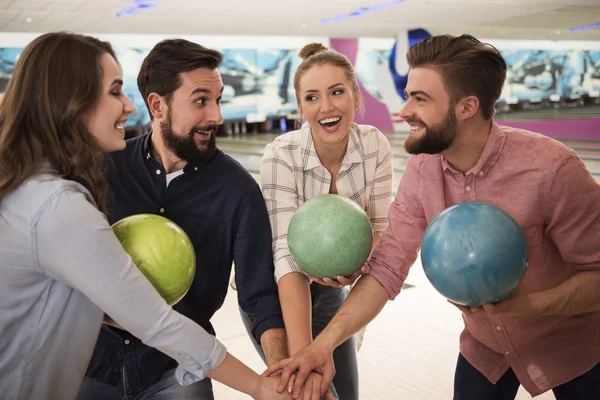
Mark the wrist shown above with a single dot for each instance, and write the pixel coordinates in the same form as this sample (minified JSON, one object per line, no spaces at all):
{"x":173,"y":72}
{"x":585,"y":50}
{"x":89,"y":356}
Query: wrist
{"x":326,"y":342}
{"x":296,"y":346}
{"x":255,"y":392}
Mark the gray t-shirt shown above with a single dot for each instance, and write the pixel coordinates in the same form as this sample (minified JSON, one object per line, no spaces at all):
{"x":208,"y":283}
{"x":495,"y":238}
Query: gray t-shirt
{"x":61,"y":269}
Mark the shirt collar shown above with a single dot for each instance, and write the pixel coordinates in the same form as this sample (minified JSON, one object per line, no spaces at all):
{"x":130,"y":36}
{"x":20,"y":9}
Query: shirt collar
{"x":354,"y":150}
{"x":190,"y":166}
{"x":489,"y":156}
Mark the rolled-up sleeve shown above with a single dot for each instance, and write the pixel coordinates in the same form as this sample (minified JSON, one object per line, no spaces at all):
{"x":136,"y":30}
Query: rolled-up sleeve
{"x":399,"y":246}
{"x":281,"y":198}
{"x":572,"y":212}
{"x":76,"y":245}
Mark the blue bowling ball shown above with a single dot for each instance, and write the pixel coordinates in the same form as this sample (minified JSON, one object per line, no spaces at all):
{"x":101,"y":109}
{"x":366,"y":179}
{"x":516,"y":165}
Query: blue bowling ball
{"x":474,"y":253}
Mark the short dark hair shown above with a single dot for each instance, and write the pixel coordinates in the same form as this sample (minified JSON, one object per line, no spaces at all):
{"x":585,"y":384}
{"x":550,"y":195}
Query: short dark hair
{"x":160,"y":70}
{"x":468,"y":67}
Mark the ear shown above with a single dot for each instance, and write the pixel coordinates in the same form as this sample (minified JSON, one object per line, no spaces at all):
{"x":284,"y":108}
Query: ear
{"x":157,"y":106}
{"x":357,"y":100}
{"x":467,"y":107}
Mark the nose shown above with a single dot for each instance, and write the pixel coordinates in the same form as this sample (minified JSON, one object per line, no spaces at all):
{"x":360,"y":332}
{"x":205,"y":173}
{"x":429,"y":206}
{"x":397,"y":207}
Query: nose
{"x":128,"y":106}
{"x":405,"y":112}
{"x":213,"y":114}
{"x":326,"y":104}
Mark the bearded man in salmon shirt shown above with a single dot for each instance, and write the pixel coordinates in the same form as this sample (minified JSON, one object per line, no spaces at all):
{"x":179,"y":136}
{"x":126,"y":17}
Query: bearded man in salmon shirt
{"x":546,"y":334}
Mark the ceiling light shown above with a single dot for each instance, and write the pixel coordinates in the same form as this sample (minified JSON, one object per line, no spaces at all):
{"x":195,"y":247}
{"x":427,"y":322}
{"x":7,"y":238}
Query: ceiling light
{"x":136,"y":6}
{"x":359,"y":12}
{"x":586,"y":27}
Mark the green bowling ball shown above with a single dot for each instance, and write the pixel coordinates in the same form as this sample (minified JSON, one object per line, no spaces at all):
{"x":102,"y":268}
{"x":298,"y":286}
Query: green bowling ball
{"x":329,"y":236}
{"x":161,"y":250}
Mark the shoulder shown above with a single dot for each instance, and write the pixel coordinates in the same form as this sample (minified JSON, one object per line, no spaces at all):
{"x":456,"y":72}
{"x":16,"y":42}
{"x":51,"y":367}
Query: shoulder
{"x":371,"y":137}
{"x":289,"y":149}
{"x":36,"y":195}
{"x":232,"y":172}
{"x":534,"y":148}
{"x":289,"y":141}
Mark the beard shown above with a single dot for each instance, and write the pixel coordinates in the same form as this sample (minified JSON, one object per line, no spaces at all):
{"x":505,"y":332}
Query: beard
{"x":436,"y":138}
{"x":185,"y":147}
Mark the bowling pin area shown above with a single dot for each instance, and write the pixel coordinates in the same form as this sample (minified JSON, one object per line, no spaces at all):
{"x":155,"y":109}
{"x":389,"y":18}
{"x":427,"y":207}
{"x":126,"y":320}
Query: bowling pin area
{"x":410,"y":350}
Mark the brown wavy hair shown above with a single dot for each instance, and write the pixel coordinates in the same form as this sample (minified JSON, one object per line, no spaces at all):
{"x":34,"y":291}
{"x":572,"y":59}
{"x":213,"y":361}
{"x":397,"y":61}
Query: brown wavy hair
{"x":468,"y":67}
{"x":55,"y":85}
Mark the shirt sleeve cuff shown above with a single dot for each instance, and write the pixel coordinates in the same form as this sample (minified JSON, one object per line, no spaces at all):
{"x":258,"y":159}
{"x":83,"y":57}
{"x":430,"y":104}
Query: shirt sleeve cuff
{"x":196,"y":371}
{"x":274,"y":322}
{"x":284,"y":265}
{"x":388,"y":278}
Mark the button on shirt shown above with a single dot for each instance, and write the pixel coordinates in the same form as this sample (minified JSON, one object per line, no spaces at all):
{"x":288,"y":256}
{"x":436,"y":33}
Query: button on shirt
{"x":548,"y":190}
{"x":291,"y":173}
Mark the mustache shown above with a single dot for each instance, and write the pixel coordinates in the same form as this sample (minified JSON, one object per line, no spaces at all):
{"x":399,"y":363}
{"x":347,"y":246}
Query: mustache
{"x":415,"y":121}
{"x":206,"y":128}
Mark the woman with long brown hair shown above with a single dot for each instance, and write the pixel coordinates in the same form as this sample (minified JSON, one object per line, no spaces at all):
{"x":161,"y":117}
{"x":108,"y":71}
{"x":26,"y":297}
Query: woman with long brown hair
{"x":61,"y":266}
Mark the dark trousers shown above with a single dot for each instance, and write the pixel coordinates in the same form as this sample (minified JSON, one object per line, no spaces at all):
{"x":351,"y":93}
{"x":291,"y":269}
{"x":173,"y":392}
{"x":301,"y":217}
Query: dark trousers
{"x":470,"y":384}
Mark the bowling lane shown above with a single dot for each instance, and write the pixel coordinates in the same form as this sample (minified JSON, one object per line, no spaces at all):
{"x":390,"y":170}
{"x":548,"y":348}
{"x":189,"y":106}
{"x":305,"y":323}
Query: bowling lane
{"x":248,"y":150}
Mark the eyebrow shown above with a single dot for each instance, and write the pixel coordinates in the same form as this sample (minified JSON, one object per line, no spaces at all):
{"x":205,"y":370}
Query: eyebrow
{"x":417,"y":92}
{"x":329,"y":88}
{"x":117,"y":82}
{"x":204,"y":90}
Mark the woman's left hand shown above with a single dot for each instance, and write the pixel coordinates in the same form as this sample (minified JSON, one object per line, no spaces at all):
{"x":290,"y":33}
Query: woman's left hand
{"x":342,"y":281}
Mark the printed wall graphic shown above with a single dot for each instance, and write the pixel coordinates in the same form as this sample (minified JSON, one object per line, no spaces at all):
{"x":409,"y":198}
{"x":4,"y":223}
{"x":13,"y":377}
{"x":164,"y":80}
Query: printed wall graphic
{"x":259,"y":82}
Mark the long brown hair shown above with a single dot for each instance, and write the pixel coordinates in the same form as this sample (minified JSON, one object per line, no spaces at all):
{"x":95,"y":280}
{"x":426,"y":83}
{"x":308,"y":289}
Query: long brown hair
{"x":55,"y":84}
{"x":468,"y":67}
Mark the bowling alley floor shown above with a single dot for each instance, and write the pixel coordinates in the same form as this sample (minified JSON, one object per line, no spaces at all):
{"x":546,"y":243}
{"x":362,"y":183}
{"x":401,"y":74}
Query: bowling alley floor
{"x":409,"y":350}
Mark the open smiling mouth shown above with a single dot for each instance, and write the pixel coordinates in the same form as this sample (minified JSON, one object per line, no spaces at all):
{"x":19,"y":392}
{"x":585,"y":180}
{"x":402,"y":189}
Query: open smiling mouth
{"x":330,"y":124}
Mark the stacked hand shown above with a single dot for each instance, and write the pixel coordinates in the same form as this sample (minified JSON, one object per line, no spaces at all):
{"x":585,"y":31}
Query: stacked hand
{"x":267,"y":390}
{"x":307,"y":375}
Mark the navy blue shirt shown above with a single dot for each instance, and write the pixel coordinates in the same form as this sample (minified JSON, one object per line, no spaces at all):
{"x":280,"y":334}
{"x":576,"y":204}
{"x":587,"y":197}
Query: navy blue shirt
{"x":220,"y":206}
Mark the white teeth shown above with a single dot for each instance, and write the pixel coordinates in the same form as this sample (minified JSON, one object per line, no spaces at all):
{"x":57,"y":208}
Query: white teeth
{"x":415,"y":127}
{"x":120,"y":126}
{"x":330,"y":120}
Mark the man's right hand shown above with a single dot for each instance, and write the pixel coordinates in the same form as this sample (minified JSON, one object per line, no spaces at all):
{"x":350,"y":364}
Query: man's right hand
{"x":316,"y":357}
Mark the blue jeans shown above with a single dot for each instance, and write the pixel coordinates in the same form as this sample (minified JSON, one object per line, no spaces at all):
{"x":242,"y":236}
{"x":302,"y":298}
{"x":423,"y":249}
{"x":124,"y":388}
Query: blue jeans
{"x":470,"y":384}
{"x":326,"y":301}
{"x":166,"y":389}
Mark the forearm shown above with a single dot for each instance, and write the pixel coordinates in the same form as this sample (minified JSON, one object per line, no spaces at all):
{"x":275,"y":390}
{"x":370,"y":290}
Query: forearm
{"x":274,"y":345}
{"x":577,"y":295}
{"x":233,"y":373}
{"x":365,"y":302}
{"x":294,"y":295}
